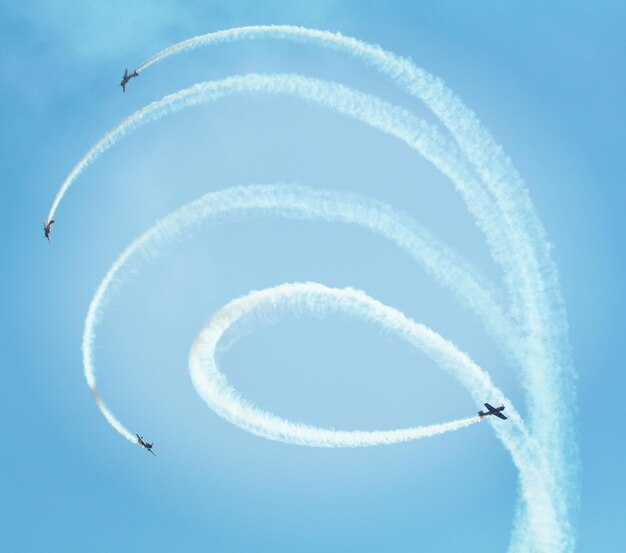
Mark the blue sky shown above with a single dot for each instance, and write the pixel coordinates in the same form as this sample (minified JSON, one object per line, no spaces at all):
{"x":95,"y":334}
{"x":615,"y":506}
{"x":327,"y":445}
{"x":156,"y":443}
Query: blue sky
{"x":544,"y":78}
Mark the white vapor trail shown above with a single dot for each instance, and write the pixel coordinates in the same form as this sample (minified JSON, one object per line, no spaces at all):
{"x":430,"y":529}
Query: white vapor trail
{"x":365,"y":108}
{"x":532,"y":329}
{"x":297,"y":202}
{"x":318,"y":300}
{"x":305,"y":203}
{"x":513,"y":231}
{"x":500,"y":177}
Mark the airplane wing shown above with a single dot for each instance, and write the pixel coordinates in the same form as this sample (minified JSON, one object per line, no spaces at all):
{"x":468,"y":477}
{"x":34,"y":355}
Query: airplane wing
{"x":500,"y":415}
{"x":153,"y":453}
{"x":490,"y":407}
{"x":123,"y":87}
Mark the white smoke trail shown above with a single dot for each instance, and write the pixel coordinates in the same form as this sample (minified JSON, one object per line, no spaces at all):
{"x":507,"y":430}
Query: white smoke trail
{"x":381,"y":115}
{"x":300,"y":202}
{"x":498,"y":199}
{"x":474,"y":140}
{"x":385,"y":117}
{"x":516,"y":236}
{"x":110,"y":417}
{"x":213,"y":387}
{"x":318,"y":300}
{"x":412,"y":130}
{"x":495,"y":168}
{"x":517,"y":241}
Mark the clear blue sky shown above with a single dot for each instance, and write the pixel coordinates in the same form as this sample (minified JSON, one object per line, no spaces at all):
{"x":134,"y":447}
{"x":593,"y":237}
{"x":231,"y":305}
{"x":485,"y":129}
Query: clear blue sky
{"x":546,"y":78}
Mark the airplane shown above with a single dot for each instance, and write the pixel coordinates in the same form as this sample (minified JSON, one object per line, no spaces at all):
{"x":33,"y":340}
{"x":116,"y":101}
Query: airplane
{"x":493,"y":411}
{"x":127,"y":78}
{"x":145,"y":444}
{"x":46,"y":229}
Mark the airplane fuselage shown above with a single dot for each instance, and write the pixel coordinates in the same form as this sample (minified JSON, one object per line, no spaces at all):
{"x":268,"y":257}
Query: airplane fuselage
{"x":497,"y":411}
{"x":127,"y":78}
{"x":46,"y":228}
{"x":483,"y":414}
{"x":143,"y":443}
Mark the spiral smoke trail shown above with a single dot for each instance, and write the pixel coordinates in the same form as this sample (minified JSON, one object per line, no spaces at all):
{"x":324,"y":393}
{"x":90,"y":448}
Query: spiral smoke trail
{"x":532,"y":329}
{"x":514,"y":232}
{"x":295,"y":202}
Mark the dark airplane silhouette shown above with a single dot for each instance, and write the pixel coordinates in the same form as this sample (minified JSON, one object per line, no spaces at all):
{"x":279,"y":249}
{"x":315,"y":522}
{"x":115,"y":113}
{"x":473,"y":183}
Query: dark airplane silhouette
{"x":145,"y":444}
{"x":46,"y":229}
{"x":497,"y":411}
{"x":127,"y":78}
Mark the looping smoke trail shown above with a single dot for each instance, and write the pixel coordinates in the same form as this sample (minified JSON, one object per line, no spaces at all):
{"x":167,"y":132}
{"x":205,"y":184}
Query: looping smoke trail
{"x":295,"y":202}
{"x":318,"y":300}
{"x":517,"y":241}
{"x":362,"y":107}
{"x":495,"y":168}
{"x":534,"y":332}
{"x":301,"y":202}
{"x":512,"y":228}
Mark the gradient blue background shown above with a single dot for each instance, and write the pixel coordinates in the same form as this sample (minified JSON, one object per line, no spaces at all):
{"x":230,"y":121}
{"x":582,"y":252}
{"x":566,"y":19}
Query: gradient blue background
{"x":547,"y":79}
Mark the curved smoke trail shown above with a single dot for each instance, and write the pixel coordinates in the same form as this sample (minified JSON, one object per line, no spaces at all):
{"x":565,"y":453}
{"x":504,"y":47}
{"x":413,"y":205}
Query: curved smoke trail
{"x":295,"y":202}
{"x":362,"y":107}
{"x":518,"y":241}
{"x":412,"y":130}
{"x":496,"y":196}
{"x":305,"y":203}
{"x":317,"y":300}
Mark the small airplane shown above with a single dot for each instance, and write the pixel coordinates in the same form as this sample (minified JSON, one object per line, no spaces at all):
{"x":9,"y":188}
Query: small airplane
{"x":46,"y":229}
{"x":127,"y":78}
{"x":145,"y":444}
{"x":497,"y":411}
